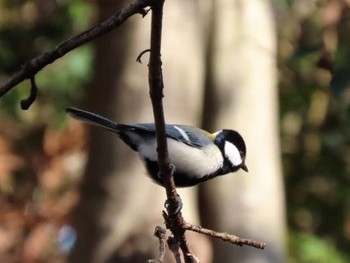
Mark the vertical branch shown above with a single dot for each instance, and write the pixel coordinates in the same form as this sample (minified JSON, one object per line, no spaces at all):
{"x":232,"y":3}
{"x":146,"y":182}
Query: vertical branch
{"x":155,"y":77}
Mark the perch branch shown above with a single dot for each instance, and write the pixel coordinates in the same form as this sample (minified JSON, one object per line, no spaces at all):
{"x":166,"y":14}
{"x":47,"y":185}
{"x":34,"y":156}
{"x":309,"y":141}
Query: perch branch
{"x":36,"y":64}
{"x":155,"y":78}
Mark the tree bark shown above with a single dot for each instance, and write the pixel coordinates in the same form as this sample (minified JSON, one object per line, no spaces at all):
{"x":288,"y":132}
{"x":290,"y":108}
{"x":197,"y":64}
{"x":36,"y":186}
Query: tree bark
{"x":242,"y":94}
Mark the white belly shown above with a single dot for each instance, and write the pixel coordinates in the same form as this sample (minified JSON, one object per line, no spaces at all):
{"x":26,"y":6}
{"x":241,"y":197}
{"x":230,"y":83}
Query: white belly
{"x":187,"y":159}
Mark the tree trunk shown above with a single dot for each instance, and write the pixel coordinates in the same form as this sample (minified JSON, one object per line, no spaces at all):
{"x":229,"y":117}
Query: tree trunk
{"x":242,"y":94}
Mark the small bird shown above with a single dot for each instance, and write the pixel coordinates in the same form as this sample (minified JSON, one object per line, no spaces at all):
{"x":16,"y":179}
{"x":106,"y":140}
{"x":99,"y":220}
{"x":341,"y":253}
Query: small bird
{"x":197,"y":155}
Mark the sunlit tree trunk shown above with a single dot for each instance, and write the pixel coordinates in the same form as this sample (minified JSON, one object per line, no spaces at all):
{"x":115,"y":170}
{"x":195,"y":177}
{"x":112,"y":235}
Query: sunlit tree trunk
{"x":242,"y":94}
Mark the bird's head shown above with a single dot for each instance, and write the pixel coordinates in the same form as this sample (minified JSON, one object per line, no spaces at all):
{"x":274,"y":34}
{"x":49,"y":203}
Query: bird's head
{"x":233,"y":148}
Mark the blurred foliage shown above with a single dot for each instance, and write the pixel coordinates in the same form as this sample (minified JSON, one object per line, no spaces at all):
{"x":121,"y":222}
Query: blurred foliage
{"x":40,"y":165}
{"x":314,"y":47}
{"x":28,"y":28}
{"x":311,"y":249}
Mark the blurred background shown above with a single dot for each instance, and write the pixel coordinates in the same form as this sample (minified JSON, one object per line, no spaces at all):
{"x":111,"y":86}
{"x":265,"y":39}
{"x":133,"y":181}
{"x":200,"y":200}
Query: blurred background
{"x":277,"y":71}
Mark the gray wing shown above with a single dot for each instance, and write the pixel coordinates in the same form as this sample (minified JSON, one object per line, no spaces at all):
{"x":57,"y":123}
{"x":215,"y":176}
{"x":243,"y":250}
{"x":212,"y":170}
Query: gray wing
{"x":189,"y":135}
{"x":134,"y":134}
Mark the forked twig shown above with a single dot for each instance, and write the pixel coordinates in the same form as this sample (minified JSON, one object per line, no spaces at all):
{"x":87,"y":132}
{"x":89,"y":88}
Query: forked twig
{"x":138,"y":59}
{"x":26,"y":103}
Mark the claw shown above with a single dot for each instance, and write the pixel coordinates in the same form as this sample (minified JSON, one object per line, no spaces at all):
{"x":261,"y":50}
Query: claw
{"x":173,"y":209}
{"x":172,"y":167}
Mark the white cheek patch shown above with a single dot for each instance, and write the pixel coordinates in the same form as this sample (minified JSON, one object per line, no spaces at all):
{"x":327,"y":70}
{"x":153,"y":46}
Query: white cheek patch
{"x":232,"y":153}
{"x":183,"y":133}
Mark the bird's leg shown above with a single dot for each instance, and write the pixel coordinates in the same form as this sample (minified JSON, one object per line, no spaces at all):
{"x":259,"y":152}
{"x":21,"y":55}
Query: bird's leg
{"x":176,"y":208}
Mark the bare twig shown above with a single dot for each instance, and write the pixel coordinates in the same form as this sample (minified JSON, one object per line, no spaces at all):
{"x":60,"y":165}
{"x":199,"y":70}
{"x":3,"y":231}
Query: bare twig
{"x":25,"y":103}
{"x":175,"y":223}
{"x":160,"y":233}
{"x":138,"y":59}
{"x":155,"y":78}
{"x":225,"y":236}
{"x":32,"y":67}
{"x":174,"y":248}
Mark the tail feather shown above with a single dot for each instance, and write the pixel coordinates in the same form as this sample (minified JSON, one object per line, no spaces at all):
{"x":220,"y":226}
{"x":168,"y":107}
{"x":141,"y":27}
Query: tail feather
{"x":93,"y":119}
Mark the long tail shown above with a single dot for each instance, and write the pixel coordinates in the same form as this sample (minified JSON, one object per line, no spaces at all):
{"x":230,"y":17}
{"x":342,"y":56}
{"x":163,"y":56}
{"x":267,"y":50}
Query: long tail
{"x":93,"y":119}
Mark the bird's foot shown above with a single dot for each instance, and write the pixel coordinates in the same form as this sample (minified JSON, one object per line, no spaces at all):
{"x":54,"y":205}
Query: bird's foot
{"x":172,"y":168}
{"x":173,"y":207}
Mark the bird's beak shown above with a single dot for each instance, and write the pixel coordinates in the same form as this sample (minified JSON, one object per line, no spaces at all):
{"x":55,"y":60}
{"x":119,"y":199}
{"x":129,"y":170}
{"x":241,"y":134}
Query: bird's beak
{"x":244,"y":167}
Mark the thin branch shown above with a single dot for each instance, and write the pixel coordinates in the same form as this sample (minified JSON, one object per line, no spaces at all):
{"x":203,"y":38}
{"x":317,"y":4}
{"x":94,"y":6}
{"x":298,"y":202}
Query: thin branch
{"x":174,"y":248}
{"x":175,"y":223}
{"x":138,"y":59}
{"x":32,"y":67}
{"x":160,"y":233}
{"x":225,"y":236}
{"x":26,"y":103}
{"x":155,"y":79}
